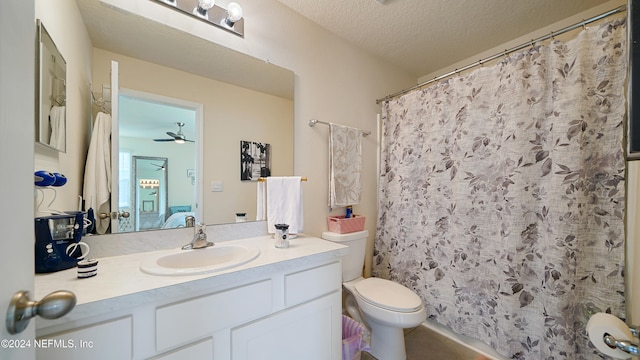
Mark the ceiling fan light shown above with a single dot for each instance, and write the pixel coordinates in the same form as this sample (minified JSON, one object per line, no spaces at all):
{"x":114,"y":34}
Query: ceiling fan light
{"x":179,"y":141}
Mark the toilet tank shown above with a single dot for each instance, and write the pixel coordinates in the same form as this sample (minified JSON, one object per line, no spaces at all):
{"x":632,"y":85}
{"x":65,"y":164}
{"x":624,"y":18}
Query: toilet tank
{"x":353,"y":262}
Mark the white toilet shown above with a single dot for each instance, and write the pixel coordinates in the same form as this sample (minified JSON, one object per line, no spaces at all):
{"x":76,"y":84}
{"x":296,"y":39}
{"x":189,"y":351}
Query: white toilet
{"x":384,"y":306}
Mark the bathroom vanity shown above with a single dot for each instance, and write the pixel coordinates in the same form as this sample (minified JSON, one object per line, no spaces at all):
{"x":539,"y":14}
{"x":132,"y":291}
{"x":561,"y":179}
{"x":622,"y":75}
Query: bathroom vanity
{"x":284,"y":304}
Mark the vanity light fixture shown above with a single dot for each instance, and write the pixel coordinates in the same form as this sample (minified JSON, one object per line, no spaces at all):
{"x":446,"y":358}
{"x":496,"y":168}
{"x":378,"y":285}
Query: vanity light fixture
{"x":230,"y":19}
{"x":149,"y":183}
{"x":202,"y":10}
{"x":234,"y":14}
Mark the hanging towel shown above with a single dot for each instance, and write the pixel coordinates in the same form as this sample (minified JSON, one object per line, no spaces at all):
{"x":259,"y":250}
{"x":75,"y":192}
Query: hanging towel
{"x":57,"y":122}
{"x":261,"y":210}
{"x":345,"y":165}
{"x":284,"y":203}
{"x":97,"y":173}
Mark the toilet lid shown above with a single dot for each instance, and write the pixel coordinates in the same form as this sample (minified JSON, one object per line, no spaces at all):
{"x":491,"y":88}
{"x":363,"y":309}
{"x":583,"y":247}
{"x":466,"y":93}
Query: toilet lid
{"x":388,"y":295}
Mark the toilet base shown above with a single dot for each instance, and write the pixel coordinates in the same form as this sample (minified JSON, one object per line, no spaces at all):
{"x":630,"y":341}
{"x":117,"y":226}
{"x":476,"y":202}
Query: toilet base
{"x":387,"y":342}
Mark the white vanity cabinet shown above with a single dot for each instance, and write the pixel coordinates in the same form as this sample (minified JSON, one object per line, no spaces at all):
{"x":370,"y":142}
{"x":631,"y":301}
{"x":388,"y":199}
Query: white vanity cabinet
{"x":288,"y":311}
{"x":106,"y":340}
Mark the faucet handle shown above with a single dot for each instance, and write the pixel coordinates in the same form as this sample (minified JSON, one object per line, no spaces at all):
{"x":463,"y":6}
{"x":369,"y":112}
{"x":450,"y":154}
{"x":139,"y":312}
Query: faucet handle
{"x":200,"y":228}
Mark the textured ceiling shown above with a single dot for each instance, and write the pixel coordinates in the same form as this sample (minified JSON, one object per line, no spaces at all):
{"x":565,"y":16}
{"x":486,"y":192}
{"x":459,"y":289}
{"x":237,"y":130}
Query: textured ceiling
{"x":423,"y":36}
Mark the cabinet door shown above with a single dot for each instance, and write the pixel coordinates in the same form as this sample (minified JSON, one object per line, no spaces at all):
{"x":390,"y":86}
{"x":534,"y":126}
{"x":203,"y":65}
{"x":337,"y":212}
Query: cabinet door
{"x":309,"y":331}
{"x":202,"y":350}
{"x":108,"y":341}
{"x":187,"y":321}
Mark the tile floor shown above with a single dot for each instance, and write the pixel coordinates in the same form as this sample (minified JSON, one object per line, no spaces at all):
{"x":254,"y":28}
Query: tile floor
{"x":424,"y":344}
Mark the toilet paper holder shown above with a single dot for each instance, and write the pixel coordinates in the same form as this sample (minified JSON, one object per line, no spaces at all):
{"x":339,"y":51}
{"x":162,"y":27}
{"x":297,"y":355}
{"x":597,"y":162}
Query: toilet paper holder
{"x":623,"y":345}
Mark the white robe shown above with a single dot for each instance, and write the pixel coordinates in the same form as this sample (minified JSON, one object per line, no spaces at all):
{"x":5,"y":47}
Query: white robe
{"x":97,"y":173}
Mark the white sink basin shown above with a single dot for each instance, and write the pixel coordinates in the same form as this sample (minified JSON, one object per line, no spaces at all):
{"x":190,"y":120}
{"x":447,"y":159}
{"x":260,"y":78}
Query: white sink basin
{"x":199,"y":261}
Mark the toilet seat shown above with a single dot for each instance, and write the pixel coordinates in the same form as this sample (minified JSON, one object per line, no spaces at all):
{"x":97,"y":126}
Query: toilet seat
{"x":388,"y":295}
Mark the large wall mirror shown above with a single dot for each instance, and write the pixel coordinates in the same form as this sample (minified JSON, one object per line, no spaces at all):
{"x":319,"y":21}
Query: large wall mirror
{"x":51,"y":92}
{"x":242,"y":99}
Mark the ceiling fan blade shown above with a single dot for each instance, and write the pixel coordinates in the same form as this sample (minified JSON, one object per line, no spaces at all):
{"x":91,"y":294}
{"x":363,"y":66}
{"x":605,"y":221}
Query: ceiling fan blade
{"x":164,"y":140}
{"x":172,"y":134}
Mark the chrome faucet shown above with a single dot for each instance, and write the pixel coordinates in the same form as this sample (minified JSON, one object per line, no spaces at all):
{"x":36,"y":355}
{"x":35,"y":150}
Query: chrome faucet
{"x":189,"y":221}
{"x":199,"y":239}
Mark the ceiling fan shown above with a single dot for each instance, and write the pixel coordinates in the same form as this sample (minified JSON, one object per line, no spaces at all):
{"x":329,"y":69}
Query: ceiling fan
{"x":159,"y":167}
{"x":178,"y":138}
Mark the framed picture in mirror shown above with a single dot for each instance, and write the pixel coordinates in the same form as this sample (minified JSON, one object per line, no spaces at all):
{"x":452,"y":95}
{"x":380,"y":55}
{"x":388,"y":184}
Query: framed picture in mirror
{"x":255,"y":160}
{"x":51,"y":93}
{"x":148,"y":206}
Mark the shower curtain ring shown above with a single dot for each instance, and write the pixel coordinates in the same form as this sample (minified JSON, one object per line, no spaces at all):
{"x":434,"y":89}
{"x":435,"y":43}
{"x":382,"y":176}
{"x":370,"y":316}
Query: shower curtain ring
{"x":553,"y":37}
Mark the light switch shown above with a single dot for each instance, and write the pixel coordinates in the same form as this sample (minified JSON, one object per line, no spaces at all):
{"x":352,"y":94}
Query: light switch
{"x":216,"y":185}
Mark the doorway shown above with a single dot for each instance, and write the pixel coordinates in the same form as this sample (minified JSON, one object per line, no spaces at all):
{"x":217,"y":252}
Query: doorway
{"x":153,"y":132}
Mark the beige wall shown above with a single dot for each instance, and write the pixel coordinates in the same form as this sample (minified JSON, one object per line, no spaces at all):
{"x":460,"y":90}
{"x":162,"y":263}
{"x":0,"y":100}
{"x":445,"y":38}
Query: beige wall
{"x":231,"y":114}
{"x":71,"y":38}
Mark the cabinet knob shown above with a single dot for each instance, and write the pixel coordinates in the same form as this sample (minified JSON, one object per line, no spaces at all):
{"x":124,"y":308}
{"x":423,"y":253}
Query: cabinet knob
{"x":22,"y":308}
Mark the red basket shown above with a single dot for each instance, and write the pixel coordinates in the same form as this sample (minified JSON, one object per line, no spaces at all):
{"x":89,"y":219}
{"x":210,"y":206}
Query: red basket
{"x":342,"y":225}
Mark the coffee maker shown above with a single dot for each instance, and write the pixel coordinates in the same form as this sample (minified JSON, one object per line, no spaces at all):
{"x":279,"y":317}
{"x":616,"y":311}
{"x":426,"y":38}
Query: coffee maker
{"x":55,"y":237}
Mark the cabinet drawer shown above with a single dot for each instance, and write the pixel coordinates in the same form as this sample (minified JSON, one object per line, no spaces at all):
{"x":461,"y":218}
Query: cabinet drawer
{"x":91,"y":342}
{"x":186,"y":321}
{"x":313,"y":283}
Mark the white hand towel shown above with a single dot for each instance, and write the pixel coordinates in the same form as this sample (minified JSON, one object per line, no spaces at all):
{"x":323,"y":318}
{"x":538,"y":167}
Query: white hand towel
{"x":284,"y":203}
{"x":261,"y":210}
{"x":57,"y":122}
{"x":345,"y":165}
{"x":97,"y":173}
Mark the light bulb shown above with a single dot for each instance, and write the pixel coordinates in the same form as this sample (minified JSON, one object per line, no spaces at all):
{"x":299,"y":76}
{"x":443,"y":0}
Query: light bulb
{"x":203,"y":7}
{"x":206,"y":4}
{"x":234,"y":12}
{"x":179,"y":141}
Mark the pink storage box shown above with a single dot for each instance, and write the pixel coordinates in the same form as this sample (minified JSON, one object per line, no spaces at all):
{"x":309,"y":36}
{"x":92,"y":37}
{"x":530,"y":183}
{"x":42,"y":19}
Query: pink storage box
{"x":342,"y":225}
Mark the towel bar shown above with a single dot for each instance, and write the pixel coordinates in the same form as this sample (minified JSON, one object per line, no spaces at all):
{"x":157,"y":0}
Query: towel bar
{"x":313,"y":122}
{"x":263,"y":179}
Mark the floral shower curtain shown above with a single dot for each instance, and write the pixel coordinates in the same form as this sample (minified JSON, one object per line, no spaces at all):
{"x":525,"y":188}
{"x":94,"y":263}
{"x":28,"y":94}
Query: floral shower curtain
{"x":502,"y":195}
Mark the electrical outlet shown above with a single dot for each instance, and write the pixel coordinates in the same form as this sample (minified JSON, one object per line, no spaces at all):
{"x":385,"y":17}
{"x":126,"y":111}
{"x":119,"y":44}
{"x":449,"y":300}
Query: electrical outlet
{"x":216,"y":186}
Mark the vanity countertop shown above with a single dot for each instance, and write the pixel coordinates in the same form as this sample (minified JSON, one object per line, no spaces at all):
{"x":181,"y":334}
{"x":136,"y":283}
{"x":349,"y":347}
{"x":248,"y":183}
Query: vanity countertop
{"x":120,"y":282}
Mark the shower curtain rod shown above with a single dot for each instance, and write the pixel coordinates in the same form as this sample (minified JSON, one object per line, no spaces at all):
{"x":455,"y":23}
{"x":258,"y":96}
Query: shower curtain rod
{"x":312,"y":122}
{"x":504,"y":53}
